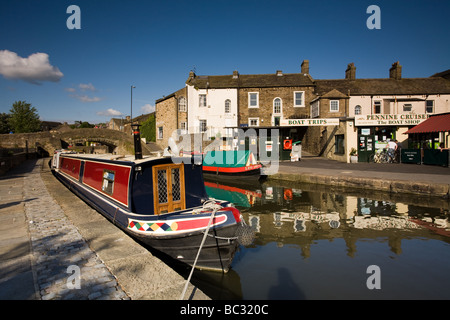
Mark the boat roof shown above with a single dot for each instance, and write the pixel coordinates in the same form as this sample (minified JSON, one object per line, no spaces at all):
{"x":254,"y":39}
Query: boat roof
{"x":115,"y":157}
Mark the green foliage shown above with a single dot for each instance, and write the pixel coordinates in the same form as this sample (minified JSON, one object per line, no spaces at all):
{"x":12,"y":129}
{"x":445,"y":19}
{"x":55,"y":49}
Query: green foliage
{"x":24,"y":118}
{"x":4,"y":123}
{"x":148,"y":129}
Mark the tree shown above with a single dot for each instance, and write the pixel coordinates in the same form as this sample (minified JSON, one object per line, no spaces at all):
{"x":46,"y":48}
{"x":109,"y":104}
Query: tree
{"x":148,"y":129}
{"x":24,"y":118}
{"x":4,"y":123}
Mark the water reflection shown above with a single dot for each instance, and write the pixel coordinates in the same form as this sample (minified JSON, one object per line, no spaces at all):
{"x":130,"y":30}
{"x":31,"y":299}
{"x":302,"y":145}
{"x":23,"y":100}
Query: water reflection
{"x":316,"y":223}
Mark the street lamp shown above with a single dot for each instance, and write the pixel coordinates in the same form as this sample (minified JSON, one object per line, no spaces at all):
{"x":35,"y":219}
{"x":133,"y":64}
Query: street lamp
{"x":131,"y":116}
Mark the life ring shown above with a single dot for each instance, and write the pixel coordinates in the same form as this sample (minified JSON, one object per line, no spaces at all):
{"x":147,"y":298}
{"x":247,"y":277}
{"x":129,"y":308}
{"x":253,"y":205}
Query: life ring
{"x":288,"y":194}
{"x":287,"y":145}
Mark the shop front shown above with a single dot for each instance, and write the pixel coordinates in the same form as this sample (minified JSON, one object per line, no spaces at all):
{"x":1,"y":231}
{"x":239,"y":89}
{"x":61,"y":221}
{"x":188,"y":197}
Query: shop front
{"x":375,"y":131}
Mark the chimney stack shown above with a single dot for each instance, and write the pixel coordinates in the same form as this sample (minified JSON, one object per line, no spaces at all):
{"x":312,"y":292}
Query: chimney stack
{"x":350,"y":73}
{"x":235,"y":74}
{"x":279,"y":73}
{"x":395,"y":72}
{"x":305,"y":67}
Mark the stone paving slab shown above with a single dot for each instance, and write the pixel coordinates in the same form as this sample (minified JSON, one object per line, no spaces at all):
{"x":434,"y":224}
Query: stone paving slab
{"x":53,"y":246}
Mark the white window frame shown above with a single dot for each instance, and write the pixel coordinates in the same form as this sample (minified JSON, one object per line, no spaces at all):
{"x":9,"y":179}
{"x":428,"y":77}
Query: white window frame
{"x":302,"y":105}
{"x":183,"y":125}
{"x":253,"y":119}
{"x":337,"y":105}
{"x":407,"y":107}
{"x":227,"y":106}
{"x":182,"y":104}
{"x":200,"y":121}
{"x":202,"y":97}
{"x":432,"y":106}
{"x":160,"y":133}
{"x":358,"y":110}
{"x":281,"y":106}
{"x":257,"y":100}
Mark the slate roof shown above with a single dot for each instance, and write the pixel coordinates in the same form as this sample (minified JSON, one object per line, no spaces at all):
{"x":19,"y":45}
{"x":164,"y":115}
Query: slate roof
{"x":251,"y":81}
{"x":407,"y":86}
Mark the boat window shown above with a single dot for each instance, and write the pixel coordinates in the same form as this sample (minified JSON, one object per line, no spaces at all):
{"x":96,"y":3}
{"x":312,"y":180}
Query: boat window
{"x":108,"y":181}
{"x":162,"y":186}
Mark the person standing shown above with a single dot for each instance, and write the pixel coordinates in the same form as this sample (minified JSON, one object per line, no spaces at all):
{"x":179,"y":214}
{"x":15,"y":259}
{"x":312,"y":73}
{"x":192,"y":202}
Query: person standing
{"x":392,"y":147}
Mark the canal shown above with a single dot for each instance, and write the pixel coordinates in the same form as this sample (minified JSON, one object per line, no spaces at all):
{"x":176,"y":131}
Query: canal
{"x":314,"y":242}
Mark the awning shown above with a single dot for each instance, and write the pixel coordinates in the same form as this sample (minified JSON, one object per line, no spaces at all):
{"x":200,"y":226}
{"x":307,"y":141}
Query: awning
{"x":435,"y":123}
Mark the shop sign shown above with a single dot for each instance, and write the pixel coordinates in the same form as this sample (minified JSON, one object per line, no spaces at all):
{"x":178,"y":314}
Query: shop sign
{"x":309,"y":122}
{"x":390,"y":119}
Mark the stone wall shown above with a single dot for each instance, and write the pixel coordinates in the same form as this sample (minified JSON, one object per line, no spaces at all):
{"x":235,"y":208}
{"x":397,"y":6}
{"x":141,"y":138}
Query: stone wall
{"x":266,"y":101}
{"x":168,"y":117}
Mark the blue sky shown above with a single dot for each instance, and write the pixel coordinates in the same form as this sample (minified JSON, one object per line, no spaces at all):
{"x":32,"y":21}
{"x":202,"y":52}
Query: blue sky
{"x":86,"y":74}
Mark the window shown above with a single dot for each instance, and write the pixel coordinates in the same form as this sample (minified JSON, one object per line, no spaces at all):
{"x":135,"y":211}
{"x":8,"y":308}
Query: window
{"x":253,"y":122}
{"x":429,"y":106}
{"x":183,"y":125}
{"x":202,"y":100}
{"x":227,"y":106}
{"x":377,"y":107}
{"x":182,"y":104}
{"x":407,"y":107}
{"x":160,"y":132}
{"x":203,"y":126}
{"x":253,"y":100}
{"x":339,"y":144}
{"x":277,"y":106}
{"x":298,"y":99}
{"x":357,"y":110}
{"x":334,"y":105}
{"x":108,"y":181}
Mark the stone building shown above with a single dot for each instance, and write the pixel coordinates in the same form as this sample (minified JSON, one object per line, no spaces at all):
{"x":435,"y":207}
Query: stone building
{"x":328,"y":116}
{"x":170,"y":116}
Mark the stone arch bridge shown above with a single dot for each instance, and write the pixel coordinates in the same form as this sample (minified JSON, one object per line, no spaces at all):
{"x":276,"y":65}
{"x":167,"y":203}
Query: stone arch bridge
{"x":47,"y":142}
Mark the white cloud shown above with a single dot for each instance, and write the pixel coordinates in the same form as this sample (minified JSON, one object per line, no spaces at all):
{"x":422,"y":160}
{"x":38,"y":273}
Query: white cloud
{"x":87,"y":87}
{"x":70,"y":89}
{"x":148,"y":108}
{"x":110,"y":113}
{"x":85,"y":98}
{"x":34,"y":69}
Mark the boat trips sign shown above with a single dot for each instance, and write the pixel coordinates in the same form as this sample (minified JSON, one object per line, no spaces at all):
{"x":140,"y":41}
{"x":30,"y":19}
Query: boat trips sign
{"x":390,"y":119}
{"x":309,"y":122}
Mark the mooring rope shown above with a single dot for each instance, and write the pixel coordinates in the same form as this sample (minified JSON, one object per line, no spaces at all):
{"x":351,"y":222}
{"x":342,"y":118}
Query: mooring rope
{"x":210,"y":204}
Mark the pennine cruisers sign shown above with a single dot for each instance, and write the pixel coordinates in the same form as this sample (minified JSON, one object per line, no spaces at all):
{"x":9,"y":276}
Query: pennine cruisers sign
{"x":309,"y":122}
{"x":390,"y":119}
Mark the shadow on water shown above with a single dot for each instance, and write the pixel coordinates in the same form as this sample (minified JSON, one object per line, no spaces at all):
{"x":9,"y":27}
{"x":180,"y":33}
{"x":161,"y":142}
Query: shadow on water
{"x":286,"y":289}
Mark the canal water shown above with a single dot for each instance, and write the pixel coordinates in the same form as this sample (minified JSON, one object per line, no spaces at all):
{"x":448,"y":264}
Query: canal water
{"x":314,"y":242}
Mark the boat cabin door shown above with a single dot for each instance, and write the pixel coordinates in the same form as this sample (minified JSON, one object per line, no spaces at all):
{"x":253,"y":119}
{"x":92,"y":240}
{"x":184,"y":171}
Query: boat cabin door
{"x":168,"y":188}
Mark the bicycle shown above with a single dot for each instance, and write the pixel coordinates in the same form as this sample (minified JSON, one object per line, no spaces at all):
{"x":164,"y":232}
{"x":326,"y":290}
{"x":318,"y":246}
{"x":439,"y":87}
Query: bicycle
{"x":381,"y":156}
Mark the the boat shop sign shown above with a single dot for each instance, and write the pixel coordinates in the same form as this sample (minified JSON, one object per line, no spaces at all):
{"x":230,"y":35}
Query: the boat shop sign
{"x":309,"y":122}
{"x":390,"y":119}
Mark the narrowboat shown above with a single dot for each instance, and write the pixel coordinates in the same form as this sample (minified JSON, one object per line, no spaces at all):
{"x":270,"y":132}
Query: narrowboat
{"x":160,"y":201}
{"x":231,"y":163}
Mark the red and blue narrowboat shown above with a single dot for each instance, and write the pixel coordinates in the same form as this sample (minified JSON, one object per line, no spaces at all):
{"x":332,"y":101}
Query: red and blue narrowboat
{"x":160,"y":201}
{"x":231,"y":163}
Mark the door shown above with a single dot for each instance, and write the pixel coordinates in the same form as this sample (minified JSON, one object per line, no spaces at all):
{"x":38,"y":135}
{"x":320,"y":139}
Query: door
{"x":365,"y":147}
{"x":168,"y":186}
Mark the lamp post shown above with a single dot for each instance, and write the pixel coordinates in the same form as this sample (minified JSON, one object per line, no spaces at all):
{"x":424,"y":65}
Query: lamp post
{"x":131,"y":116}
